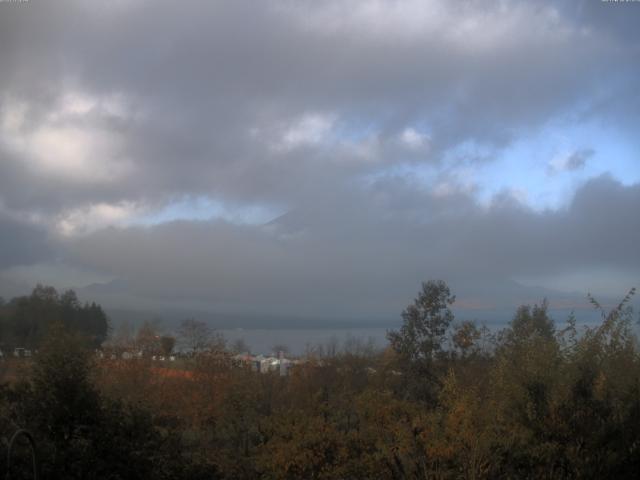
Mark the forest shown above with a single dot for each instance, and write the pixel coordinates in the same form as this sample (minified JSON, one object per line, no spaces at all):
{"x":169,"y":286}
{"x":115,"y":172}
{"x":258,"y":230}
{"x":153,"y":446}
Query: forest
{"x":24,"y":321}
{"x":445,"y":399}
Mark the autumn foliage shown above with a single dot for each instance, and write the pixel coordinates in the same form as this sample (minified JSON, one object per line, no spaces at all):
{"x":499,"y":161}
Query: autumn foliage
{"x":444,"y":400}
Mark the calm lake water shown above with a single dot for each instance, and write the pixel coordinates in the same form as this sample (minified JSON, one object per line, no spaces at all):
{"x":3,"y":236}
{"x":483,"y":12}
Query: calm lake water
{"x":298,"y":340}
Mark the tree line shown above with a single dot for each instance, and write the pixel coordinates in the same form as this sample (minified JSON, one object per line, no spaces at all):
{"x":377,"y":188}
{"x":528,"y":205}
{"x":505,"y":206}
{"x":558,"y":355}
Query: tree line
{"x":25,"y":320}
{"x":443,"y":400}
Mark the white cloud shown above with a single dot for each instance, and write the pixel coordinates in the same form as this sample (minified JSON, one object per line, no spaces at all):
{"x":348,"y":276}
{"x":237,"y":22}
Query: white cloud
{"x":88,"y":219}
{"x":75,"y":153}
{"x":413,"y":139}
{"x":310,"y":129}
{"x":77,"y":103}
{"x":65,"y":143}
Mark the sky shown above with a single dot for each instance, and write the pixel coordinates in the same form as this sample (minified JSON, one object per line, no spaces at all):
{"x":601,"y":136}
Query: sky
{"x":320,"y":159}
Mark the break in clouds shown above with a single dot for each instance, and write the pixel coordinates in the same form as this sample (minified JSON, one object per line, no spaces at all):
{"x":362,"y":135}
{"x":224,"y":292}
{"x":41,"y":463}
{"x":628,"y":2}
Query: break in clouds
{"x":319,"y":158}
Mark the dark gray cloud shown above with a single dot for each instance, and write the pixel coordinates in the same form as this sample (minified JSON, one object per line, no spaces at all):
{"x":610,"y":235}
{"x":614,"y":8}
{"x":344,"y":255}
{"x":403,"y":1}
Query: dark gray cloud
{"x":578,"y":160}
{"x":110,"y":111}
{"x":570,"y":162}
{"x":22,"y":243}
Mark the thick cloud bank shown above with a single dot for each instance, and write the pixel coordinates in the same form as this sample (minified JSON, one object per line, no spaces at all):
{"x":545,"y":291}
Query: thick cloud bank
{"x":369,"y":256}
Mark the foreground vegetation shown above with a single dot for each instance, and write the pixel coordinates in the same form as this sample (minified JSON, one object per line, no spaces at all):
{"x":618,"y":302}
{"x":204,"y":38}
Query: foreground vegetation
{"x":444,"y":400}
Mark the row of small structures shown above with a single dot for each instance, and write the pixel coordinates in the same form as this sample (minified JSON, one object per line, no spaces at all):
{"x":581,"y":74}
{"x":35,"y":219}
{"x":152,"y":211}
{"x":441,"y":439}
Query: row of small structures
{"x":19,"y":352}
{"x":257,"y":363}
{"x":264,"y":364}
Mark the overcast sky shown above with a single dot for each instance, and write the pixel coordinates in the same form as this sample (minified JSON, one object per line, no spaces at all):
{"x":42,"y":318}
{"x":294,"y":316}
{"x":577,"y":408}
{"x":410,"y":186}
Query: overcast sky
{"x":319,"y":158}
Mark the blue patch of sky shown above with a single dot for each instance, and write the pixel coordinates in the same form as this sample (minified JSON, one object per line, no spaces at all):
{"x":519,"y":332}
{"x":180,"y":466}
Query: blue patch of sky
{"x":531,"y":166}
{"x":527,"y":165}
{"x":203,"y":208}
{"x":353,"y":130}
